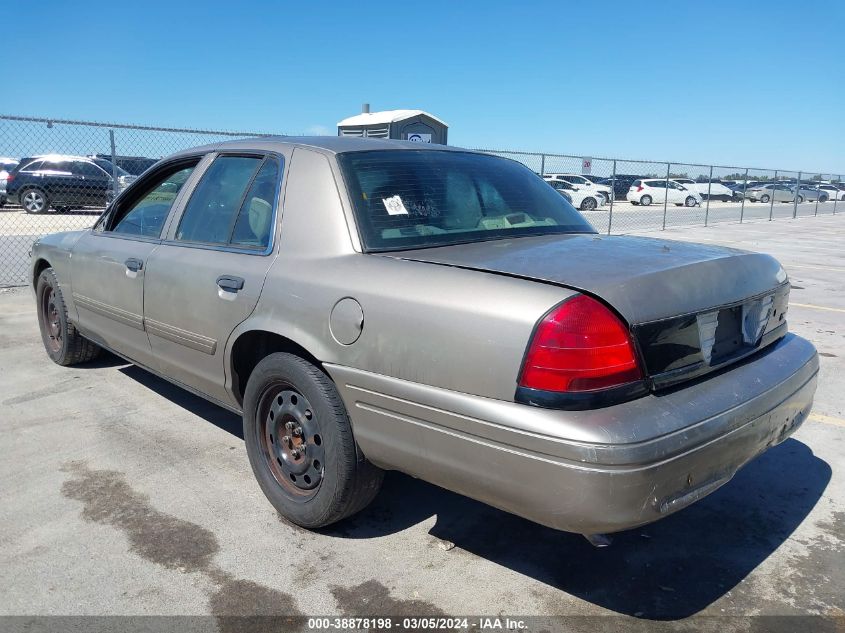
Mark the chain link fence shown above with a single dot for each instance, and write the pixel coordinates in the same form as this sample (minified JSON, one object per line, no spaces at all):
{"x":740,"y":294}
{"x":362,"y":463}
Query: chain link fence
{"x":59,"y":175}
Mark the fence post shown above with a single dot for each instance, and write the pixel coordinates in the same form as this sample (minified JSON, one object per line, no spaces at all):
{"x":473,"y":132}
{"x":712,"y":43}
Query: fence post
{"x":818,"y":195}
{"x":772,"y":207}
{"x":836,"y":199}
{"x":709,"y":185}
{"x":612,"y":196}
{"x":542,"y":165}
{"x":795,"y":201}
{"x":744,"y":189}
{"x":113,"y":165}
{"x":666,"y":194}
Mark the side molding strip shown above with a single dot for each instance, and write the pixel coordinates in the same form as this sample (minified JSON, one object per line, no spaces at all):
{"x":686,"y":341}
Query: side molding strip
{"x":103,"y":309}
{"x":182,"y":337}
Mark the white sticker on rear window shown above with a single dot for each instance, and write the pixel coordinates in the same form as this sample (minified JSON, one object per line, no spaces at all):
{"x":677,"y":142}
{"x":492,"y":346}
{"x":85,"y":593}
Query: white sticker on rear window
{"x":394,"y":206}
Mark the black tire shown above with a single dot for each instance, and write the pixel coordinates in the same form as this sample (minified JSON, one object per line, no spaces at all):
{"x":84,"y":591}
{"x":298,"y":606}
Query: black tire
{"x":589,"y":203}
{"x":63,"y":343}
{"x":645,"y":200}
{"x":690,"y":201}
{"x":285,"y":389}
{"x":34,"y":200}
{"x":764,"y":198}
{"x":800,"y":199}
{"x":822,"y":199}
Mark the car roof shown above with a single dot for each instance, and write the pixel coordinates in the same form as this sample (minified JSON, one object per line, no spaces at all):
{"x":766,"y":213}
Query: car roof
{"x":324,"y":144}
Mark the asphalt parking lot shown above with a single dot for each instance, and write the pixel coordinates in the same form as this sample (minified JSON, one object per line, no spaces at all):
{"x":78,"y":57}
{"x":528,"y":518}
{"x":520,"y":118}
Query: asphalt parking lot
{"x":125,"y":495}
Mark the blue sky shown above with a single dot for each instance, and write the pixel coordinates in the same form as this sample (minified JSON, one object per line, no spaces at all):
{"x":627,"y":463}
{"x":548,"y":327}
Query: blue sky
{"x":753,"y":83}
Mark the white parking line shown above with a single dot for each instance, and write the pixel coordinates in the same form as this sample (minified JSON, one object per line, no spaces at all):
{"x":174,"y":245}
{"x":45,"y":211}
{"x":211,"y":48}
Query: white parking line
{"x":815,"y":307}
{"x":827,"y":419}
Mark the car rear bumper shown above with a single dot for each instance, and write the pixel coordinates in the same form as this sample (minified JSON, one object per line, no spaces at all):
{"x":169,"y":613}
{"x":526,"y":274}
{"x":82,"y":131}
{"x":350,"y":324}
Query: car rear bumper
{"x":603,"y":470}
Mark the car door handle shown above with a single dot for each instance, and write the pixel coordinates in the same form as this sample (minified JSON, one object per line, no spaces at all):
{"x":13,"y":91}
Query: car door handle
{"x":134,"y":264}
{"x":229,"y":283}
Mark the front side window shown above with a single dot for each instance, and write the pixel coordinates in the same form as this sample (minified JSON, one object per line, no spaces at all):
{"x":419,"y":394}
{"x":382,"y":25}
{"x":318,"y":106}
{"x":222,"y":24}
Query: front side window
{"x":409,"y":199}
{"x":145,"y":214}
{"x":82,"y":168}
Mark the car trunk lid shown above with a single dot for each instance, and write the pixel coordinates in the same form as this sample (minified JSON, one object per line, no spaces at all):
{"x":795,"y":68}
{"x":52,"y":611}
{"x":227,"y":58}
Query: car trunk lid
{"x":691,"y":307}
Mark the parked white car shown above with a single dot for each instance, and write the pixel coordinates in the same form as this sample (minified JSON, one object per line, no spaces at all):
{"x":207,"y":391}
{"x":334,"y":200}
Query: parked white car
{"x":6,"y":165}
{"x":647,"y":191}
{"x":717,"y":191}
{"x":833,"y":192}
{"x":581,"y":198}
{"x":581,"y":183}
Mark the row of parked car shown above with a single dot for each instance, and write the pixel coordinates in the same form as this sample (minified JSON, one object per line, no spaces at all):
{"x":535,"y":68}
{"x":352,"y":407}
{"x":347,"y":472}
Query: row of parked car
{"x":588,"y":192}
{"x":64,"y":182}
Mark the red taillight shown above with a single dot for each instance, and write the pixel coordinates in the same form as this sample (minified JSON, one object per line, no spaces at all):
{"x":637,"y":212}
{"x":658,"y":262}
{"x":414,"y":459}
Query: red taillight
{"x":580,"y":346}
{"x":640,"y":187}
{"x":10,"y":178}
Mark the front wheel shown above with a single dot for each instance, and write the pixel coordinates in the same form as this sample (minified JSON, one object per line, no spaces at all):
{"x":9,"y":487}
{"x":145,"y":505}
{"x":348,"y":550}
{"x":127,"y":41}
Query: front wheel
{"x":800,"y":199}
{"x":764,"y":199}
{"x":300,"y":444}
{"x":64,"y":345}
{"x":690,"y":201}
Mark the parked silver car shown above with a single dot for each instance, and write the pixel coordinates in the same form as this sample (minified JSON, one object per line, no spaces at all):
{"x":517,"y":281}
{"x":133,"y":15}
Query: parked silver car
{"x":370,"y":304}
{"x":765,"y":193}
{"x":811,"y":193}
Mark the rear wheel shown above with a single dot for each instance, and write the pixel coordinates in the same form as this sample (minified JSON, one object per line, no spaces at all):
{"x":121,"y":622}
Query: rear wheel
{"x":645,"y":200}
{"x":800,"y":199}
{"x":588,"y":204}
{"x":64,"y":345}
{"x":35,"y":201}
{"x":300,"y":444}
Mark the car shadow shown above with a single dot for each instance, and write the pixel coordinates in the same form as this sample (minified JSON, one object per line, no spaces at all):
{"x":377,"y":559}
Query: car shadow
{"x":208,"y":411}
{"x":668,"y":570}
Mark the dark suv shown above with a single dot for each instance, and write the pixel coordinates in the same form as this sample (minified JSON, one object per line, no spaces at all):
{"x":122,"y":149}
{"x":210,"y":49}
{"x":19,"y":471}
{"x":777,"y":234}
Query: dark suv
{"x":621,"y":184}
{"x":64,"y":183}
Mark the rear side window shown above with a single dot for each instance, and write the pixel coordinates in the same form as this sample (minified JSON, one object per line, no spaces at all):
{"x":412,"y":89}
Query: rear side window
{"x":233,"y":203}
{"x":408,"y":199}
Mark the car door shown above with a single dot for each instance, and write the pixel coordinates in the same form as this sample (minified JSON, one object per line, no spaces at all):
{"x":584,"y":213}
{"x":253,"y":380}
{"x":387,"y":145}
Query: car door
{"x":94,"y":183}
{"x":61,"y":184}
{"x":657,"y":190}
{"x":108,"y":264}
{"x":674,"y":193}
{"x":208,"y":273}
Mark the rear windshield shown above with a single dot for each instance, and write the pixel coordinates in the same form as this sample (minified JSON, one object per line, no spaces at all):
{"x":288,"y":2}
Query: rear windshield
{"x":412,"y":199}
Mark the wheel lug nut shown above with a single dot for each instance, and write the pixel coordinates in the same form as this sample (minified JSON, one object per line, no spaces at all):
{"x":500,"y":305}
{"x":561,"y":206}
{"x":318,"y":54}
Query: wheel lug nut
{"x":286,"y":440}
{"x":297,"y":431}
{"x":289,"y":425}
{"x":295,"y":454}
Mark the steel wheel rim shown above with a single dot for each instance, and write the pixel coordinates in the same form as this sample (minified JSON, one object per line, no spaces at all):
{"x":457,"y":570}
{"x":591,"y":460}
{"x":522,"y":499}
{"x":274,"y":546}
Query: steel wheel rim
{"x":589,"y":204}
{"x":33,"y":201}
{"x":288,"y":432}
{"x":51,"y":319}
{"x":690,"y":201}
